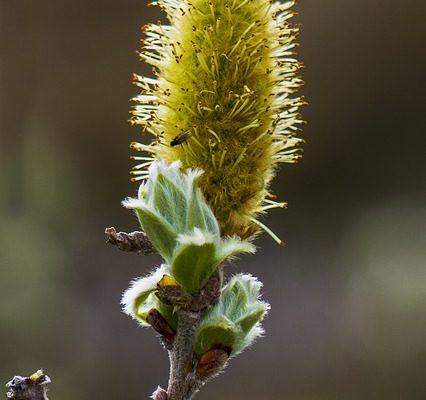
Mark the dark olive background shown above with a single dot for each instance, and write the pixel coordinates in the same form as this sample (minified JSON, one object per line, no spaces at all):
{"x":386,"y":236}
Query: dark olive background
{"x":348,"y":291}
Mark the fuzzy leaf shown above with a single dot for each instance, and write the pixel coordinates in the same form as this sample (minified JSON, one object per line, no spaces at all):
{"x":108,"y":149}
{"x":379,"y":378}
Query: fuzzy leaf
{"x":195,"y":217}
{"x":160,"y":232}
{"x":142,"y":307}
{"x":234,"y":300}
{"x":231,"y":246}
{"x":140,"y":298}
{"x":199,"y":213}
{"x":194,"y":260}
{"x":240,"y":307}
{"x":211,"y":221}
{"x":217,"y":330}
{"x":169,"y":201}
{"x":245,"y":341}
{"x":251,"y":318}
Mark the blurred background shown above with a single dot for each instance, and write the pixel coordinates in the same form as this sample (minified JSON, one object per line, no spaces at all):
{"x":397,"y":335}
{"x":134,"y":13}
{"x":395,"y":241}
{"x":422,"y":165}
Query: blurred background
{"x":348,"y":291}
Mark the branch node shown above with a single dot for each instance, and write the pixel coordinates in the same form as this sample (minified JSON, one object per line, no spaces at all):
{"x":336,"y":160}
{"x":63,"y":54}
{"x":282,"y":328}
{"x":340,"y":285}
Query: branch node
{"x":33,"y":387}
{"x":174,"y":295}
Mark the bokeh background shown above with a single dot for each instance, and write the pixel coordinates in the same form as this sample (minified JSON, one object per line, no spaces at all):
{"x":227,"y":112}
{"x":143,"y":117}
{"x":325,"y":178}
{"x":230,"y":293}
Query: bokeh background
{"x":348,"y":291}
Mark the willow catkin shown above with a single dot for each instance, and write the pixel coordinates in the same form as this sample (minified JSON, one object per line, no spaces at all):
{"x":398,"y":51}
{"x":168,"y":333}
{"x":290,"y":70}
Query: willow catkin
{"x":222,"y":100}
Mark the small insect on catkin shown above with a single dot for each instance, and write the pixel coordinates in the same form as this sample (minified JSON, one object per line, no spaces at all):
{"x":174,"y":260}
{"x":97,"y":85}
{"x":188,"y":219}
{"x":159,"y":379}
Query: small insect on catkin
{"x":226,"y":72}
{"x":179,"y":139}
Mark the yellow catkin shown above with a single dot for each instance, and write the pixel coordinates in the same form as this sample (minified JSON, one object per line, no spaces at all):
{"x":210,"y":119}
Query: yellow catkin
{"x":222,"y":99}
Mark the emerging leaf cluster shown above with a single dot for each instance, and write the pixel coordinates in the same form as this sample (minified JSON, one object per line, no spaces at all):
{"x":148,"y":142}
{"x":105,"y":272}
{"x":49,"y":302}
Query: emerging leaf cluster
{"x":234,"y":321}
{"x":181,"y":226}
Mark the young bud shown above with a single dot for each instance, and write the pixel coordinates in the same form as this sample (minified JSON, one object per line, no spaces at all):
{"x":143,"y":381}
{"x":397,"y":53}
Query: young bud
{"x":234,"y":321}
{"x":140,"y":299}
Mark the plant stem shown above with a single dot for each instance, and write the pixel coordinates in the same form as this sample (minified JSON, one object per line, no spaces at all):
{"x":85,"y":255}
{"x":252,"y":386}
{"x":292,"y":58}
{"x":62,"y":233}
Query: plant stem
{"x":182,"y":381}
{"x":185,"y":379}
{"x":136,"y":242}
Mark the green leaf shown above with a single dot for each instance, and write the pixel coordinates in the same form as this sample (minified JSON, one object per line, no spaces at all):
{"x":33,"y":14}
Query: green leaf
{"x":239,"y":306}
{"x":168,"y":313}
{"x":216,"y":330}
{"x":142,"y":306}
{"x":194,"y":260}
{"x":141,"y":297}
{"x":211,"y":221}
{"x":233,"y":300}
{"x":251,"y":318}
{"x":195,"y":217}
{"x":169,"y":201}
{"x":245,"y":341}
{"x":160,"y":232}
{"x":234,"y":245}
{"x":199,"y":213}
{"x":231,"y":246}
